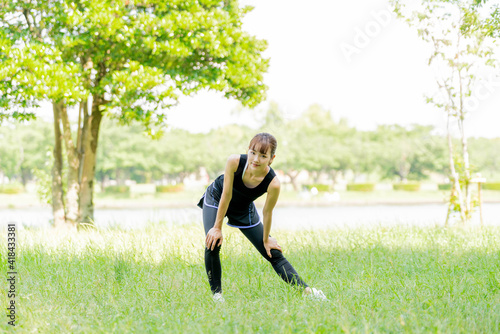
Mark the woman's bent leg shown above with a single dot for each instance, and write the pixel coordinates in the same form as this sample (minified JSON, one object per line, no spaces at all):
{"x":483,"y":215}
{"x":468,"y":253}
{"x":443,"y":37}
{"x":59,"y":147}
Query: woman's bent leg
{"x":212,"y":258}
{"x":280,"y":264}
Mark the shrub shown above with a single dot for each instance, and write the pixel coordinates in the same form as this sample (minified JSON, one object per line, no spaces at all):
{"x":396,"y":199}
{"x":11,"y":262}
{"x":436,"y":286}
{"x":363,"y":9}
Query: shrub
{"x":406,"y":186}
{"x":361,"y":186}
{"x":11,"y":189}
{"x":172,"y":188}
{"x":319,"y":186}
{"x":491,"y":186}
{"x":117,"y":189}
{"x":444,"y":186}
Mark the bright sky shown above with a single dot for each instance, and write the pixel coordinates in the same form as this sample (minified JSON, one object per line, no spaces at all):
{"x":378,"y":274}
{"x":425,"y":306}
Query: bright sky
{"x":380,"y":79}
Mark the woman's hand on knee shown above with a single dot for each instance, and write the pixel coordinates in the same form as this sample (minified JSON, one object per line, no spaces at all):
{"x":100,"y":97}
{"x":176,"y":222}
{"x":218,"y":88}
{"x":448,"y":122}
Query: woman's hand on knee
{"x":214,"y":238}
{"x":271,"y":243}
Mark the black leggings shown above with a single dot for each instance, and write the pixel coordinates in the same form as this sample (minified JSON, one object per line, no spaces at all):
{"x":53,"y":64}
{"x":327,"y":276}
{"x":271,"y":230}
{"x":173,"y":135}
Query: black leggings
{"x":255,"y":234}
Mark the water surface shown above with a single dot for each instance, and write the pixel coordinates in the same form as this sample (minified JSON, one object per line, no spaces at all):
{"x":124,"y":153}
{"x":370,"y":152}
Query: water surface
{"x":323,"y":217}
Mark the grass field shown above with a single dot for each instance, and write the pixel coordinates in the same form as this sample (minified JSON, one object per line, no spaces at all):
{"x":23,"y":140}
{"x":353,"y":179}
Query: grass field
{"x":414,"y":280}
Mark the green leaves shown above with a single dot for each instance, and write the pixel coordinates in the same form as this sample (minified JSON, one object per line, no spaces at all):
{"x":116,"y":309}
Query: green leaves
{"x":141,"y":55}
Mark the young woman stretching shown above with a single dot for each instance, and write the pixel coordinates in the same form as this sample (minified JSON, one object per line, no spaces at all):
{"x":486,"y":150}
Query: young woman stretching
{"x":246,"y":177}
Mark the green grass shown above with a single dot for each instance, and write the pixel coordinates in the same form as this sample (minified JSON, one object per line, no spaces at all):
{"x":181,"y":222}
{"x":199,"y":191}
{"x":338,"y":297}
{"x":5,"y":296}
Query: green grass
{"x":414,"y":280}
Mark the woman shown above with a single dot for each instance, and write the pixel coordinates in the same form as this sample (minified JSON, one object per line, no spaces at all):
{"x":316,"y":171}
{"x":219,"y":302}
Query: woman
{"x":246,"y":177}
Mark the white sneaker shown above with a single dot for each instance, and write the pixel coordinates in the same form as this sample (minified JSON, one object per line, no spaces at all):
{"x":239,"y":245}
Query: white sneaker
{"x":317,"y":295}
{"x":218,"y":298}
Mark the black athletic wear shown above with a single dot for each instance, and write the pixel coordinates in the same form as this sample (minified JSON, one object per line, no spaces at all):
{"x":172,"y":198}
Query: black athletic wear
{"x":241,"y":214}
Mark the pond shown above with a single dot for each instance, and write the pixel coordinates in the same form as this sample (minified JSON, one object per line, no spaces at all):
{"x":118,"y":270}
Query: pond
{"x":289,"y":217}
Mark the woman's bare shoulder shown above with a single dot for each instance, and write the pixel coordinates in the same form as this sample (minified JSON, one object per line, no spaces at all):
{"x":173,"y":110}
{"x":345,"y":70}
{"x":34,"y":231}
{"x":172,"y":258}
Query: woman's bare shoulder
{"x":233,"y":161}
{"x":274,"y":185}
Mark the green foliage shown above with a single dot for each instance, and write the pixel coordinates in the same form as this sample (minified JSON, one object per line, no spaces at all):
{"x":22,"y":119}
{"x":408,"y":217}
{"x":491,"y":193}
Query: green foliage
{"x":409,"y":153}
{"x":491,"y":186}
{"x":44,"y":185}
{"x":135,"y":59}
{"x":314,"y":142}
{"x":215,"y":148}
{"x":173,"y":188}
{"x":482,"y":15}
{"x":361,"y":186}
{"x":23,"y":148}
{"x":117,"y":189}
{"x":484,"y":155}
{"x":319,"y":186}
{"x":125,"y":153}
{"x":406,"y":186}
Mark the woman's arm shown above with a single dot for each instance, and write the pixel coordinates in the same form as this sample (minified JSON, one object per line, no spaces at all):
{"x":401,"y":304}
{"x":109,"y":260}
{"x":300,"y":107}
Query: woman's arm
{"x":215,"y":233}
{"x":227,"y":191}
{"x":273,"y":192}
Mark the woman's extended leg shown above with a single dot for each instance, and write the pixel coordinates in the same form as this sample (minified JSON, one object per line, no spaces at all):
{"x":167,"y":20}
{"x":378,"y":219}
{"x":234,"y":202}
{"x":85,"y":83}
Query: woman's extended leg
{"x":212,"y":258}
{"x":280,"y":264}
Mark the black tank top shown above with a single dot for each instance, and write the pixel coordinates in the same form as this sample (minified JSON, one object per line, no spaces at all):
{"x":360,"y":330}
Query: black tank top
{"x":242,"y":195}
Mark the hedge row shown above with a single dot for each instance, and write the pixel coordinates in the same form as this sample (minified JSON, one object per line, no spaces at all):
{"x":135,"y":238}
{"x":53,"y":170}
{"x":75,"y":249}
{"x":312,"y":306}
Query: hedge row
{"x":117,"y":189}
{"x":485,"y":186}
{"x":361,"y":186}
{"x":491,"y":186}
{"x":159,"y":189}
{"x":444,"y":186}
{"x":319,"y":186}
{"x":406,"y":186}
{"x":11,"y":189}
{"x":170,"y":188}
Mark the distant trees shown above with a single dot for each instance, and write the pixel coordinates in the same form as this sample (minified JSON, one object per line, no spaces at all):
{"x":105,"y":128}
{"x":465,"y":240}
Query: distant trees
{"x":390,"y":152}
{"x":409,"y":153}
{"x":485,"y":157}
{"x":24,"y":148}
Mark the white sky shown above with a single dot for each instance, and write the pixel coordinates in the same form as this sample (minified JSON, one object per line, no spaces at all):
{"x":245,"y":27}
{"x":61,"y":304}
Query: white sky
{"x":383,"y":83}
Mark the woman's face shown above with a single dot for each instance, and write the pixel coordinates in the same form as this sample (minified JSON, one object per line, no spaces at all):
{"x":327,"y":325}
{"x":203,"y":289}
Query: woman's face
{"x":258,"y":160}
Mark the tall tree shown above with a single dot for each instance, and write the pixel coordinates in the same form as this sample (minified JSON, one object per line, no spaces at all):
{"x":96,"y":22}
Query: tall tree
{"x":458,"y":58}
{"x":126,"y":60}
{"x":31,"y":70}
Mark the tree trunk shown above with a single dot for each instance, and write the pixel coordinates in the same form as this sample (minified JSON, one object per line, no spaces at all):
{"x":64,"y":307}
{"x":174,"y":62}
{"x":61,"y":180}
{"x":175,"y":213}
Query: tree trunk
{"x":315,"y":176}
{"x":21,"y":159}
{"x":465,"y":153}
{"x":57,"y":189}
{"x":73,"y":167}
{"x":403,"y":169}
{"x":82,"y":134}
{"x":465,"y":157}
{"x":89,"y":143}
{"x":333,"y":174}
{"x":120,"y":179}
{"x":293,"y":179}
{"x":455,"y":189}
{"x":25,"y":176}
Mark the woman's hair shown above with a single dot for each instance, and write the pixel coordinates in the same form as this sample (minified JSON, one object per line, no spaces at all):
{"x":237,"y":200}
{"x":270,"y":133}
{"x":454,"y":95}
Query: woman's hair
{"x":262,"y":142}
